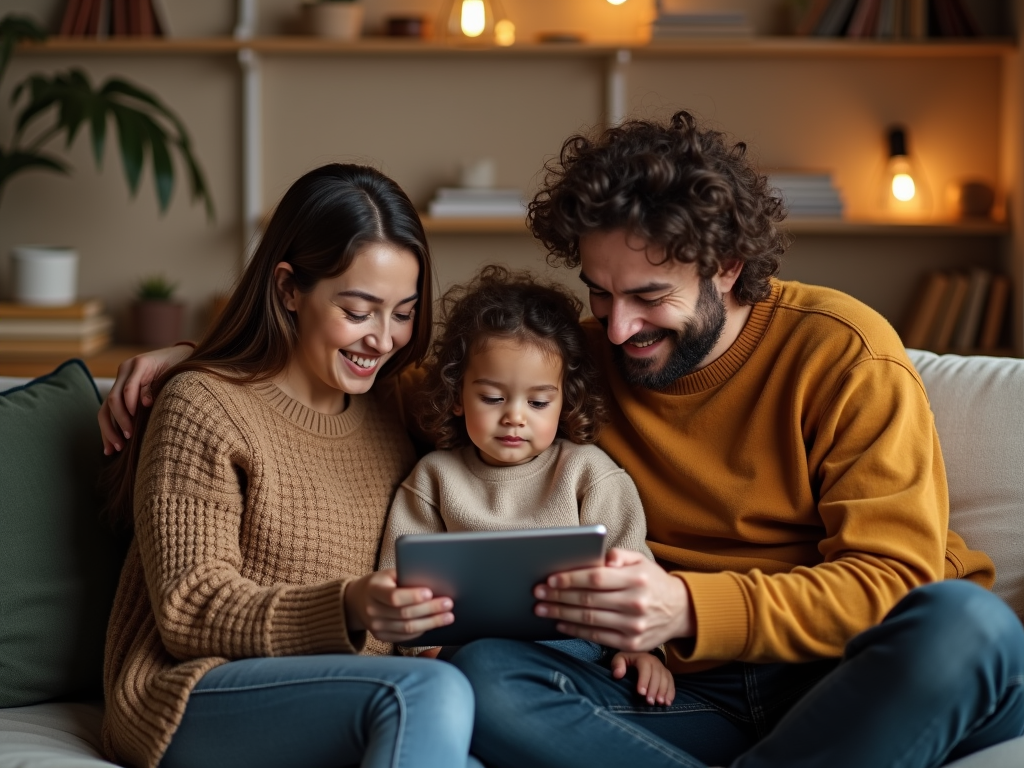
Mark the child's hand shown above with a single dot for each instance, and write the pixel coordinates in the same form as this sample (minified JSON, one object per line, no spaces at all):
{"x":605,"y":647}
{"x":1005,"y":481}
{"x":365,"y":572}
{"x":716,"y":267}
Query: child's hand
{"x":654,"y":681}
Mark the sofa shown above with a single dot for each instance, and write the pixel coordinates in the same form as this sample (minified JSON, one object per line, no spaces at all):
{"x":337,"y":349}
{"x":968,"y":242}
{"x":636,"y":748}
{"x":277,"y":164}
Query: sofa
{"x":51,"y":635}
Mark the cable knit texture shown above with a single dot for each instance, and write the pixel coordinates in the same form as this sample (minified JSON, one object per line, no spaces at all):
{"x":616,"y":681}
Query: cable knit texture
{"x":252,"y":513}
{"x":796,"y":483}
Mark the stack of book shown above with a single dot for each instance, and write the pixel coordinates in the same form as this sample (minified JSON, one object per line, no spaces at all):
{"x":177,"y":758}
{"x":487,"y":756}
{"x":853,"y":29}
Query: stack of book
{"x":675,"y":20}
{"x":908,"y":19}
{"x":76,"y":330}
{"x":808,"y":194}
{"x":452,"y":202}
{"x":959,"y":312}
{"x":114,"y":18}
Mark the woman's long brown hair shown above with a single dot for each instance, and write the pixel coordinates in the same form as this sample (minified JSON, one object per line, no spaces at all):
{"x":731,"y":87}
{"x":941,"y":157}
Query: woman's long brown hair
{"x":320,"y":225}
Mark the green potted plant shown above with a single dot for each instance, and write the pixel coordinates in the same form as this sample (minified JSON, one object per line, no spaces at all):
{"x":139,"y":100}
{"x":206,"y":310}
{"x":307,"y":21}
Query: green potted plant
{"x":50,"y":107}
{"x":157,"y":316}
{"x":335,"y":19}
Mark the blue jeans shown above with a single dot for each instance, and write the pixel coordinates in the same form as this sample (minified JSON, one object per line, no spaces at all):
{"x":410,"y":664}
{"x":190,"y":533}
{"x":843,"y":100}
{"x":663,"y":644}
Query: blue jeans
{"x":326,"y":711}
{"x":942,"y":676}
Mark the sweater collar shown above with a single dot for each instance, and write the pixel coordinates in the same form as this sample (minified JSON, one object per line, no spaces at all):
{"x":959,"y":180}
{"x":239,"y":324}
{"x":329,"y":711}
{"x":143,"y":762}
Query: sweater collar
{"x":328,"y":425}
{"x":493,"y":474}
{"x":735,"y":356}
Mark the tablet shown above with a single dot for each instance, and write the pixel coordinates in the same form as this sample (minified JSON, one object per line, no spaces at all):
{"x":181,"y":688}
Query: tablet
{"x":490,"y":577}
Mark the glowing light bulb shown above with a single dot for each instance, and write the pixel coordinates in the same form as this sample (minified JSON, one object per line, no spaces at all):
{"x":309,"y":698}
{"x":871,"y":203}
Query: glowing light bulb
{"x":903,"y":188}
{"x":504,"y":33}
{"x":616,"y":2}
{"x":474,"y":20}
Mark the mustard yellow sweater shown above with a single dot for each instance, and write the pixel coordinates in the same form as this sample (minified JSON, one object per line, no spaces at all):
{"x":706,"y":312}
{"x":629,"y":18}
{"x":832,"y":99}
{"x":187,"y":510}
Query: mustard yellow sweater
{"x":252,"y":513}
{"x":796,"y":484}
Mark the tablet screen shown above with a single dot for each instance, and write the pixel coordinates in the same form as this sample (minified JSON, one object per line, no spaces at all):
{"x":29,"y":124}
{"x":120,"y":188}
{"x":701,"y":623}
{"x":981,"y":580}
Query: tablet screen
{"x":490,"y":577}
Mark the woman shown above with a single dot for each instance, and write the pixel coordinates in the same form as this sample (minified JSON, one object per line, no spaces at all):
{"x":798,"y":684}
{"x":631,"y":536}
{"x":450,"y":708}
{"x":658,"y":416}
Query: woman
{"x":240,"y":633}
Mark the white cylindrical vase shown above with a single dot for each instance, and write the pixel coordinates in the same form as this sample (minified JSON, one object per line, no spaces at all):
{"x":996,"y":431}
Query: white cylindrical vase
{"x":44,"y":275}
{"x":334,"y":19}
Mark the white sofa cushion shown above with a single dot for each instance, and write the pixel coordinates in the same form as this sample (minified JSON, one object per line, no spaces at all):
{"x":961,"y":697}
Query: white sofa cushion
{"x":56,"y":735}
{"x":978,"y":404}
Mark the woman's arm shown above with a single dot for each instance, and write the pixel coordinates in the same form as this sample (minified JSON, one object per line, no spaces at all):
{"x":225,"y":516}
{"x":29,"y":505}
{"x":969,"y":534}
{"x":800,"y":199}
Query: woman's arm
{"x":131,"y":388}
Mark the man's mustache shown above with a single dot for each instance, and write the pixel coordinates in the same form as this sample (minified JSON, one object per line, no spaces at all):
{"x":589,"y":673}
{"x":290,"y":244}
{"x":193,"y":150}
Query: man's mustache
{"x":656,"y":334}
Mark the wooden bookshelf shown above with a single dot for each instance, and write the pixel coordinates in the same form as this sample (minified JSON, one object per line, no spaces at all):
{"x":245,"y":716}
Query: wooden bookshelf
{"x":781,"y":47}
{"x":101,"y":365}
{"x":805,"y":226}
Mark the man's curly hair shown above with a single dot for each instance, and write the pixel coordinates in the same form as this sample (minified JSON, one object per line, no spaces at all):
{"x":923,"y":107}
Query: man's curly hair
{"x":507,"y":304}
{"x":679,"y":186}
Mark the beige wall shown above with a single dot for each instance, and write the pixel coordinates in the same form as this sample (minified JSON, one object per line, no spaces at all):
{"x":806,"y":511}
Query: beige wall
{"x":418,"y":117}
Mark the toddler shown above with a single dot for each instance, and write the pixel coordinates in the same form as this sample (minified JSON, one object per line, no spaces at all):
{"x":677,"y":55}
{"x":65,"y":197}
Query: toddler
{"x":512,"y":401}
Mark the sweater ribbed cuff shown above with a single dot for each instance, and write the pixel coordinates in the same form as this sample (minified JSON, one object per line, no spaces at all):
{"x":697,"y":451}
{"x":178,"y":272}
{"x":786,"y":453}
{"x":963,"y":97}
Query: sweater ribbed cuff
{"x":308,"y":620}
{"x":723,"y":622}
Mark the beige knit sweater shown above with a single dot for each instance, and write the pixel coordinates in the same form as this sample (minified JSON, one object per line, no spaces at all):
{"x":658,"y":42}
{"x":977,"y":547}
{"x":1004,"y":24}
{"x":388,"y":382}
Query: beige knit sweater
{"x":565,"y":485}
{"x":252,"y":513}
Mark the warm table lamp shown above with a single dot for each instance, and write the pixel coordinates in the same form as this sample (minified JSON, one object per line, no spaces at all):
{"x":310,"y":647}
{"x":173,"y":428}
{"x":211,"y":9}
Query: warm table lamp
{"x":476,"y":21}
{"x":904,"y":190}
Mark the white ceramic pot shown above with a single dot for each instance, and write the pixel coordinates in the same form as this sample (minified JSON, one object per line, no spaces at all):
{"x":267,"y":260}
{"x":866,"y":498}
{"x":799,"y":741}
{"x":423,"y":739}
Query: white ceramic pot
{"x":334,"y":19}
{"x":44,"y":275}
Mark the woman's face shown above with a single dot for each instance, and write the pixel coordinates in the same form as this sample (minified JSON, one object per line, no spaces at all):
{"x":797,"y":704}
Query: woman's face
{"x":350,"y":325}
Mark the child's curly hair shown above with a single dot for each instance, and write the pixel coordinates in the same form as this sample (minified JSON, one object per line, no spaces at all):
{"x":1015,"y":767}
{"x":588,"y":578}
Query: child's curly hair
{"x":502,"y":303}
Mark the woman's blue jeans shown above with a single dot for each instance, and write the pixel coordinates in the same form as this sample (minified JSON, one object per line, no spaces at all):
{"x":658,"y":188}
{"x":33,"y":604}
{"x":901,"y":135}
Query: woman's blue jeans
{"x":326,"y":712}
{"x":942,"y":676}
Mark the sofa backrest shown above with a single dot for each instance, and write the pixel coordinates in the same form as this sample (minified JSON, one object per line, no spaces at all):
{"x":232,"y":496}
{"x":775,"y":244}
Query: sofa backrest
{"x":978,"y":404}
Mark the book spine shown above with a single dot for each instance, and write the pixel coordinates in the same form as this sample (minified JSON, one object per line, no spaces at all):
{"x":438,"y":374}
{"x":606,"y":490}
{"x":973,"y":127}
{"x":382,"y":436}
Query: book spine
{"x":918,"y":330}
{"x":995,"y":313}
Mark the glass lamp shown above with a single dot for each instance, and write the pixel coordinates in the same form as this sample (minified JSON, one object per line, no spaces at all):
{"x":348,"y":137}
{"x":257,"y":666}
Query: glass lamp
{"x":904,"y":190}
{"x":475,"y":21}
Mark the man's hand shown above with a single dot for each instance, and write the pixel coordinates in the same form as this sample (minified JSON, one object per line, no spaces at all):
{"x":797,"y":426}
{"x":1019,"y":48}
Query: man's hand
{"x":653,"y":681}
{"x":628,"y":603}
{"x":131,"y":388}
{"x":393,"y":614}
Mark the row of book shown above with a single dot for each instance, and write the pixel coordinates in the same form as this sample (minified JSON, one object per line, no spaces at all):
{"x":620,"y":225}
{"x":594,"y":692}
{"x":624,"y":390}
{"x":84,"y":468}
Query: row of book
{"x":457,"y":202}
{"x":959,"y":312}
{"x":77,"y":329}
{"x":808,"y":194}
{"x":908,"y":19}
{"x":114,"y":18}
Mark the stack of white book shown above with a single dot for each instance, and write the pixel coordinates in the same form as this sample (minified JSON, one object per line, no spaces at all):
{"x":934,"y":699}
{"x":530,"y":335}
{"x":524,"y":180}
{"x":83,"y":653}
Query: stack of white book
{"x":76,"y":329}
{"x":808,"y":194}
{"x":451,"y":202}
{"x":676,"y":19}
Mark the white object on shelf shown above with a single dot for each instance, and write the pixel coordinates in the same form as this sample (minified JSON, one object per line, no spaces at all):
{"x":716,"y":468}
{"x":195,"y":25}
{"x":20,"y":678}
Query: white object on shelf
{"x":44,"y":275}
{"x":451,"y":202}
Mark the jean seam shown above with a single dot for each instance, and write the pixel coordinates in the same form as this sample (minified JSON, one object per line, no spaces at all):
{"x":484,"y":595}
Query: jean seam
{"x":643,"y":736}
{"x":754,"y":700}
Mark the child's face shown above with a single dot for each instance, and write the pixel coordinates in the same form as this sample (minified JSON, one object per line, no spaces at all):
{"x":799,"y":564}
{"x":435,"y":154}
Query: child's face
{"x":512,"y":400}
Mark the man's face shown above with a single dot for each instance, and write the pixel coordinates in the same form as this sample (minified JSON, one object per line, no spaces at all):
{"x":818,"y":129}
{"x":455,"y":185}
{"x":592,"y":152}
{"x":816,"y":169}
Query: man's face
{"x":663,"y":319}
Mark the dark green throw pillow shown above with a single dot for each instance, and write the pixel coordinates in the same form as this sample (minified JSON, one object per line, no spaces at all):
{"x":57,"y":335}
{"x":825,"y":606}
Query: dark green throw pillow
{"x":58,"y":563}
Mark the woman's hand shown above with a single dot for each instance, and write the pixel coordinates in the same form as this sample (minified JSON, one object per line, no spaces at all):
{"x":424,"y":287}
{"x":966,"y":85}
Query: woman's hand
{"x":654,"y":681}
{"x":394,"y":614}
{"x":131,"y":388}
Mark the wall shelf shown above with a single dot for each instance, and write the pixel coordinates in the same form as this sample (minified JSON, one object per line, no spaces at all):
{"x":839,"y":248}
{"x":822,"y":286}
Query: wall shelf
{"x":803,"y":226}
{"x":771,"y":47}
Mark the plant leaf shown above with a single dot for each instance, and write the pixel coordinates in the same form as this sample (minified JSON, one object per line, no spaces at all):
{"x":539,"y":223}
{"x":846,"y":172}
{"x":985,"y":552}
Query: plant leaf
{"x":14,"y":29}
{"x":16,"y":162}
{"x":132,"y":142}
{"x":163,"y":169}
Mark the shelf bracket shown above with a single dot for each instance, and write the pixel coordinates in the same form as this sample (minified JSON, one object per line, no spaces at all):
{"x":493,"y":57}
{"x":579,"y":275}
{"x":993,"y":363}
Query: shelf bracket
{"x":252,"y":132}
{"x":616,"y":86}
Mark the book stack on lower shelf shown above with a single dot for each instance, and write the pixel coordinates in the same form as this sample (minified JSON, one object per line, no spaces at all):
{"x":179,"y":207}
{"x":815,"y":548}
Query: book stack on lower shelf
{"x":76,"y":330}
{"x":960,"y":312}
{"x":470,"y":202}
{"x":677,"y":20}
{"x":808,"y":194}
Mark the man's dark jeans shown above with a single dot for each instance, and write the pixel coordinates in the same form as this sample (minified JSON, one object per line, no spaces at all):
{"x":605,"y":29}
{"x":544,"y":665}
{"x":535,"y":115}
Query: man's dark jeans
{"x":942,"y":676}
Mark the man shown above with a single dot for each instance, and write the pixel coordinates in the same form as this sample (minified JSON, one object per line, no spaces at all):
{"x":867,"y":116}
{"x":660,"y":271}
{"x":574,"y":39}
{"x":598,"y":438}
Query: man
{"x":795,"y":494}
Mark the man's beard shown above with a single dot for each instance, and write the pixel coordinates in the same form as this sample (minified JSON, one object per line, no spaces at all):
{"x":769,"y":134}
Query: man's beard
{"x":690,"y":345}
